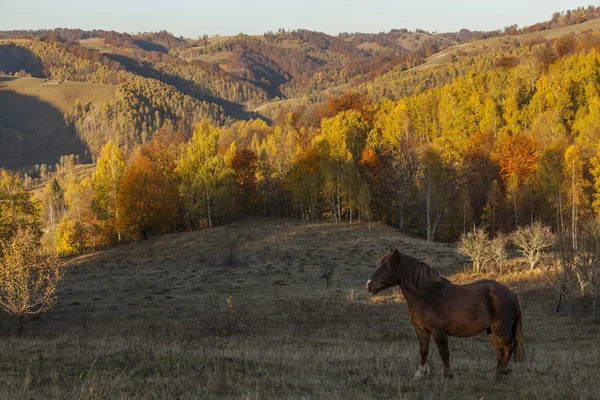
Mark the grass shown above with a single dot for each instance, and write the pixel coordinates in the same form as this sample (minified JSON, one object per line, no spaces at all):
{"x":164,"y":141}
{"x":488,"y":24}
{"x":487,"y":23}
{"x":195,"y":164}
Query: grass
{"x":62,"y":97}
{"x":167,"y":318}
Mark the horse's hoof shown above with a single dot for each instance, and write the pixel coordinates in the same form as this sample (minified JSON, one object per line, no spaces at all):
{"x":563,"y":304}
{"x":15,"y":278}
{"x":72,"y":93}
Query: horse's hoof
{"x":421,"y":373}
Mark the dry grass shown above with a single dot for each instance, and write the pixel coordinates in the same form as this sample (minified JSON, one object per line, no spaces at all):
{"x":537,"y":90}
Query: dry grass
{"x":166,"y":319}
{"x":62,"y":97}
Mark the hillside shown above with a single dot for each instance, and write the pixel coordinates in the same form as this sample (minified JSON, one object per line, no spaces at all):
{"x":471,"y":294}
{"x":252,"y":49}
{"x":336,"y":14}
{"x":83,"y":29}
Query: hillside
{"x":169,"y":318}
{"x":34,"y":109}
{"x":228,"y":77}
{"x":457,"y":52}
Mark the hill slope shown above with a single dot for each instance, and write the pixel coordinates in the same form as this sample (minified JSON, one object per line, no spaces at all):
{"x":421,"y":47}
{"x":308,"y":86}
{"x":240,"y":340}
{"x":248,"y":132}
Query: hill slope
{"x":167,"y":318}
{"x":32,"y":119}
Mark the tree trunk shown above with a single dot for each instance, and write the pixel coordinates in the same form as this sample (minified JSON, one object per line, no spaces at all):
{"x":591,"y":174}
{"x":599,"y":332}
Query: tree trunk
{"x":21,"y":324}
{"x":208,"y":208}
{"x":515,"y":206}
{"x":531,"y":203}
{"x":428,"y":210}
{"x":573,"y":209}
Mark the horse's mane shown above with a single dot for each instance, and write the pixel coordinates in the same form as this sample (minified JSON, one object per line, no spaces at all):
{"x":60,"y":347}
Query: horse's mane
{"x":417,"y":275}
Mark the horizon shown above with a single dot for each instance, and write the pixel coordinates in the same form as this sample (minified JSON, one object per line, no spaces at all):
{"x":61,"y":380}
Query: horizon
{"x":434,"y":16}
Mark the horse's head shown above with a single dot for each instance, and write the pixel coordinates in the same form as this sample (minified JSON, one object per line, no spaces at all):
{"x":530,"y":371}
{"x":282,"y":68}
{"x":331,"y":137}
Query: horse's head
{"x":387,"y":274}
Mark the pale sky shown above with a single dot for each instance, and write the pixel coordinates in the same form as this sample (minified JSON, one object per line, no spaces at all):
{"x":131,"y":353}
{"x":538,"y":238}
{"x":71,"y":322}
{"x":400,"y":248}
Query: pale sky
{"x":227,"y":17}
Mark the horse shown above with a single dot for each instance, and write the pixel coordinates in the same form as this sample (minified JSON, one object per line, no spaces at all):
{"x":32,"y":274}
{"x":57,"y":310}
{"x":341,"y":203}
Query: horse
{"x":437,"y":308}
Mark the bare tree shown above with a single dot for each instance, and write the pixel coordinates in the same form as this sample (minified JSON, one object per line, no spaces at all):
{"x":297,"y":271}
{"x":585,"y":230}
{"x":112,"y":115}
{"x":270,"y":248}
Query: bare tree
{"x":230,"y":257}
{"x":327,"y":273}
{"x":587,"y":265}
{"x":475,"y":245}
{"x":560,"y":269}
{"x":498,"y":249}
{"x":531,"y":240}
{"x":29,"y":274}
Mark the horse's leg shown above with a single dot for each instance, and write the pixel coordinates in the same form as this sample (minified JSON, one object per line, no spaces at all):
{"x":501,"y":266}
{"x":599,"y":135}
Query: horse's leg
{"x":499,"y":348}
{"x":424,"y":349}
{"x":504,"y":347}
{"x":441,"y":340}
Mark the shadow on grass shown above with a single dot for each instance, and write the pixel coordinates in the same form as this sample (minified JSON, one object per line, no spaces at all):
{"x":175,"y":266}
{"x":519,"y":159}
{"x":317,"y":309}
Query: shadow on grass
{"x":34,"y":132}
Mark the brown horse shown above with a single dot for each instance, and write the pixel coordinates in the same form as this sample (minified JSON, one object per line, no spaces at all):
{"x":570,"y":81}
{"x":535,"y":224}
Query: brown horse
{"x":439,"y":308}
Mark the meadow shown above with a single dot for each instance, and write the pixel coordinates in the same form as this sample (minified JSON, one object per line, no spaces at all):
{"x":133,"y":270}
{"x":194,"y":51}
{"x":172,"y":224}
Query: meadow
{"x":241,"y":311}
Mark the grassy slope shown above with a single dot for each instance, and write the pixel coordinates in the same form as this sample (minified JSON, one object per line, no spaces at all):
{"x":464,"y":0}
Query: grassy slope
{"x":152,"y":320}
{"x":60,"y":96}
{"x":28,"y":106}
{"x":445,"y":57}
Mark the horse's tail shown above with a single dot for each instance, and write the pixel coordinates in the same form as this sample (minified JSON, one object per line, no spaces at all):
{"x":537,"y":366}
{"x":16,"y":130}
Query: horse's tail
{"x":518,"y":335}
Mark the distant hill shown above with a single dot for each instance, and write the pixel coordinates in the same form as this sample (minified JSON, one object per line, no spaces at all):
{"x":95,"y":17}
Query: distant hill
{"x":124,"y":87}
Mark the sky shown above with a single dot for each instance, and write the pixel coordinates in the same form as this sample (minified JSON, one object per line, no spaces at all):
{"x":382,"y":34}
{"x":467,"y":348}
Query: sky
{"x":191,"y":19}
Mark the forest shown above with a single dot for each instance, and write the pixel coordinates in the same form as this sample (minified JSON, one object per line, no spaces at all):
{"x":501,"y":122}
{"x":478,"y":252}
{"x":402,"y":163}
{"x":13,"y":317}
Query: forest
{"x":499,"y":138}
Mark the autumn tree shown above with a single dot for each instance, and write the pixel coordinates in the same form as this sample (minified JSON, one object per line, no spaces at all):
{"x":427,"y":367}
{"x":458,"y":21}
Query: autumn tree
{"x":146,"y":201}
{"x":71,"y":236}
{"x":434,"y":183}
{"x":17,"y":208}
{"x":342,"y":142}
{"x":53,"y":200}
{"x":518,"y":161}
{"x":244,"y":164}
{"x":29,"y":275}
{"x":595,"y":171}
{"x":207,"y":183}
{"x":110,"y":168}
{"x":353,"y":101}
{"x":574,"y":172}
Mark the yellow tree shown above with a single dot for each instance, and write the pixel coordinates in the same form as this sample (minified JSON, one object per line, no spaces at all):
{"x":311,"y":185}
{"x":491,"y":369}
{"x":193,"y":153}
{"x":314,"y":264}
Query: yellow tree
{"x":207,"y":183}
{"x":105,"y":181}
{"x":573,"y":167}
{"x":17,"y":208}
{"x":342,"y":140}
{"x":595,"y":171}
{"x":29,"y":274}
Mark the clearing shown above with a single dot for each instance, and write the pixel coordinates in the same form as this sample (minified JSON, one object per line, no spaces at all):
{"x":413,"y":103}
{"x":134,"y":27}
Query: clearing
{"x":241,"y":311}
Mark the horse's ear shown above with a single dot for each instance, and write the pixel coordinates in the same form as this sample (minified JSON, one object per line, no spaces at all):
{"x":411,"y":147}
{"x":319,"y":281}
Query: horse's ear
{"x":391,"y":249}
{"x":395,"y":255}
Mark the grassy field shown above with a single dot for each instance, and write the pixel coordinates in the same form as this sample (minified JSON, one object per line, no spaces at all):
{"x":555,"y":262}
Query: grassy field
{"x":62,"y":97}
{"x":179,"y":317}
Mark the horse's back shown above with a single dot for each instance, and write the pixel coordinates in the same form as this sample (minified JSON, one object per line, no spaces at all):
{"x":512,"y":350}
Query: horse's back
{"x":476,"y":306}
